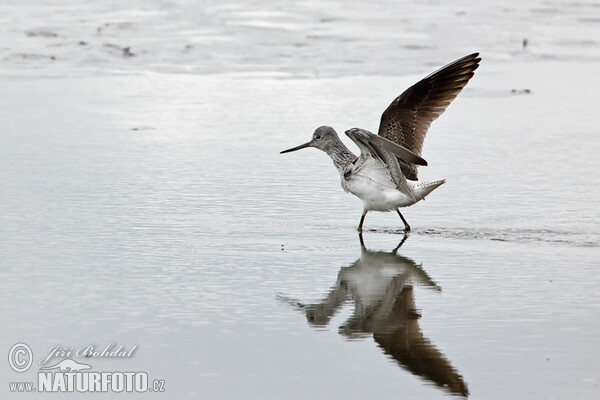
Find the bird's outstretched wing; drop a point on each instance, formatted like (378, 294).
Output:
(407, 119)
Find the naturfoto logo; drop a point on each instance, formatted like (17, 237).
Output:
(68, 375)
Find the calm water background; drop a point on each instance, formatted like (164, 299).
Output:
(144, 201)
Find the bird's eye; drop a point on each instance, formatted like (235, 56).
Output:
(318, 137)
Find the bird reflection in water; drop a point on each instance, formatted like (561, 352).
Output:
(381, 286)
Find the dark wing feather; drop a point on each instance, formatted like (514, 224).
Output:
(407, 119)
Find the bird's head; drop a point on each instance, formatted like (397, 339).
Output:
(324, 138)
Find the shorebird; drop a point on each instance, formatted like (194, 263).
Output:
(384, 176)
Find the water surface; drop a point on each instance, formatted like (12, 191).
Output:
(148, 207)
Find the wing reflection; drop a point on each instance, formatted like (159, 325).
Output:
(380, 284)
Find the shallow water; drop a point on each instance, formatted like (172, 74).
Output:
(305, 39)
(152, 208)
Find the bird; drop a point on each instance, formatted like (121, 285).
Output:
(385, 175)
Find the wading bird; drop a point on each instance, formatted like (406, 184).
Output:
(384, 176)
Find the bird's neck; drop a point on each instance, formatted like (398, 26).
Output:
(340, 155)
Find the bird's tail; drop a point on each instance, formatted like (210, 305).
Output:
(422, 189)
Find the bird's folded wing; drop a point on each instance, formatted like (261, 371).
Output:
(363, 138)
(386, 152)
(398, 150)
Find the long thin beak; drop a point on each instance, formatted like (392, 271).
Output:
(302, 146)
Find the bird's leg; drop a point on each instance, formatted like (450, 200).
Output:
(406, 225)
(362, 219)
(362, 242)
(395, 251)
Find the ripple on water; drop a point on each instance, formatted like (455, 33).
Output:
(569, 238)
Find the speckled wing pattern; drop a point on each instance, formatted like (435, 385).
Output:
(408, 118)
